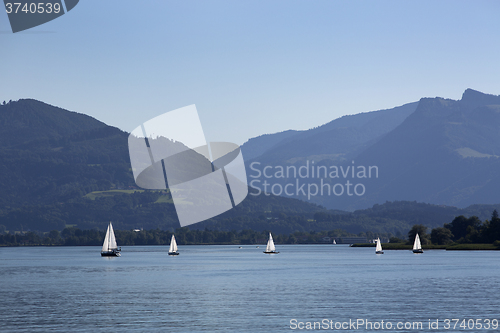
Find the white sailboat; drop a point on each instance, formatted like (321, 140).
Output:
(270, 248)
(334, 242)
(378, 248)
(109, 247)
(417, 247)
(172, 251)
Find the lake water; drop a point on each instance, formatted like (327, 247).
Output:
(227, 289)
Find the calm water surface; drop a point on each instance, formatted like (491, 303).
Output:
(227, 289)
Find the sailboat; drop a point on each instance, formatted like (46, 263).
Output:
(378, 249)
(172, 251)
(334, 242)
(109, 247)
(270, 249)
(417, 247)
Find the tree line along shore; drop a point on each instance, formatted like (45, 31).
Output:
(461, 234)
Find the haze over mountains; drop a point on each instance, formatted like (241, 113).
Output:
(337, 140)
(437, 150)
(54, 163)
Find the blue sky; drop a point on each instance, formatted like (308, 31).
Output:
(251, 67)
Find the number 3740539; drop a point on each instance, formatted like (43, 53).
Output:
(471, 324)
(32, 8)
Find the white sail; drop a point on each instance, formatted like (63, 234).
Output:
(173, 245)
(416, 244)
(105, 245)
(334, 242)
(379, 246)
(110, 240)
(270, 244)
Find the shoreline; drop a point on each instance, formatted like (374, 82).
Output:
(386, 246)
(449, 247)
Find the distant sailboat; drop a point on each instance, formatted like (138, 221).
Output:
(109, 247)
(417, 247)
(334, 242)
(270, 249)
(378, 249)
(172, 251)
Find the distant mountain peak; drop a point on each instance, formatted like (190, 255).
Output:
(471, 93)
(26, 120)
(476, 98)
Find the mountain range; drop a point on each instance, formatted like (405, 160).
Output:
(436, 150)
(61, 168)
(338, 140)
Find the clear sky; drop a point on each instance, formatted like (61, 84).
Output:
(251, 67)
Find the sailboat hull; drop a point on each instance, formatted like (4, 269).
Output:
(379, 252)
(418, 251)
(271, 252)
(173, 253)
(110, 254)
